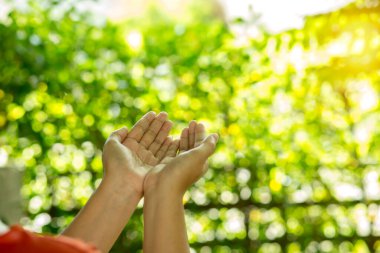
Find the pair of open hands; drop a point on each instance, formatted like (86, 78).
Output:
(146, 158)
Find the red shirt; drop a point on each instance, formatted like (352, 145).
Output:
(18, 240)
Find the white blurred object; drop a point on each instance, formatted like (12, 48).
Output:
(118, 10)
(3, 228)
(10, 197)
(3, 157)
(278, 15)
(275, 15)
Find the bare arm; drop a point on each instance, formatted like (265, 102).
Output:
(164, 186)
(165, 228)
(127, 158)
(103, 218)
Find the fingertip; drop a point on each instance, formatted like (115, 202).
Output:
(185, 132)
(124, 131)
(192, 124)
(215, 136)
(150, 116)
(162, 115)
(200, 127)
(212, 139)
(168, 124)
(120, 133)
(150, 113)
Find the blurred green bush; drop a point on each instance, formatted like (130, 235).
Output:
(297, 169)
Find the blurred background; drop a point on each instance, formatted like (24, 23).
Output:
(291, 86)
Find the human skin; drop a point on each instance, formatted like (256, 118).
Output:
(165, 185)
(127, 158)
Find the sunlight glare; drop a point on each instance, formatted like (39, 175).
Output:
(134, 39)
(3, 157)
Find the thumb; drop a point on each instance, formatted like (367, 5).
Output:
(119, 135)
(208, 145)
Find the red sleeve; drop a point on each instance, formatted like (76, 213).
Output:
(18, 240)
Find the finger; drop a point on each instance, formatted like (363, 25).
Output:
(151, 133)
(184, 141)
(173, 148)
(192, 126)
(138, 130)
(161, 137)
(164, 148)
(120, 134)
(207, 146)
(200, 134)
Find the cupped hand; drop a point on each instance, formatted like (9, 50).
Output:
(177, 172)
(128, 156)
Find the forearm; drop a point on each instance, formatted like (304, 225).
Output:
(104, 216)
(164, 223)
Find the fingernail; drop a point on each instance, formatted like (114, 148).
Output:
(150, 113)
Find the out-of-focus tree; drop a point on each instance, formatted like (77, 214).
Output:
(297, 169)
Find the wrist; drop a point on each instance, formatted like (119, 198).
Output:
(120, 190)
(162, 189)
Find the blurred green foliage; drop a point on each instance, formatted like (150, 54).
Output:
(298, 112)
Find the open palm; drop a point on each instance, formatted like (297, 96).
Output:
(180, 170)
(128, 156)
